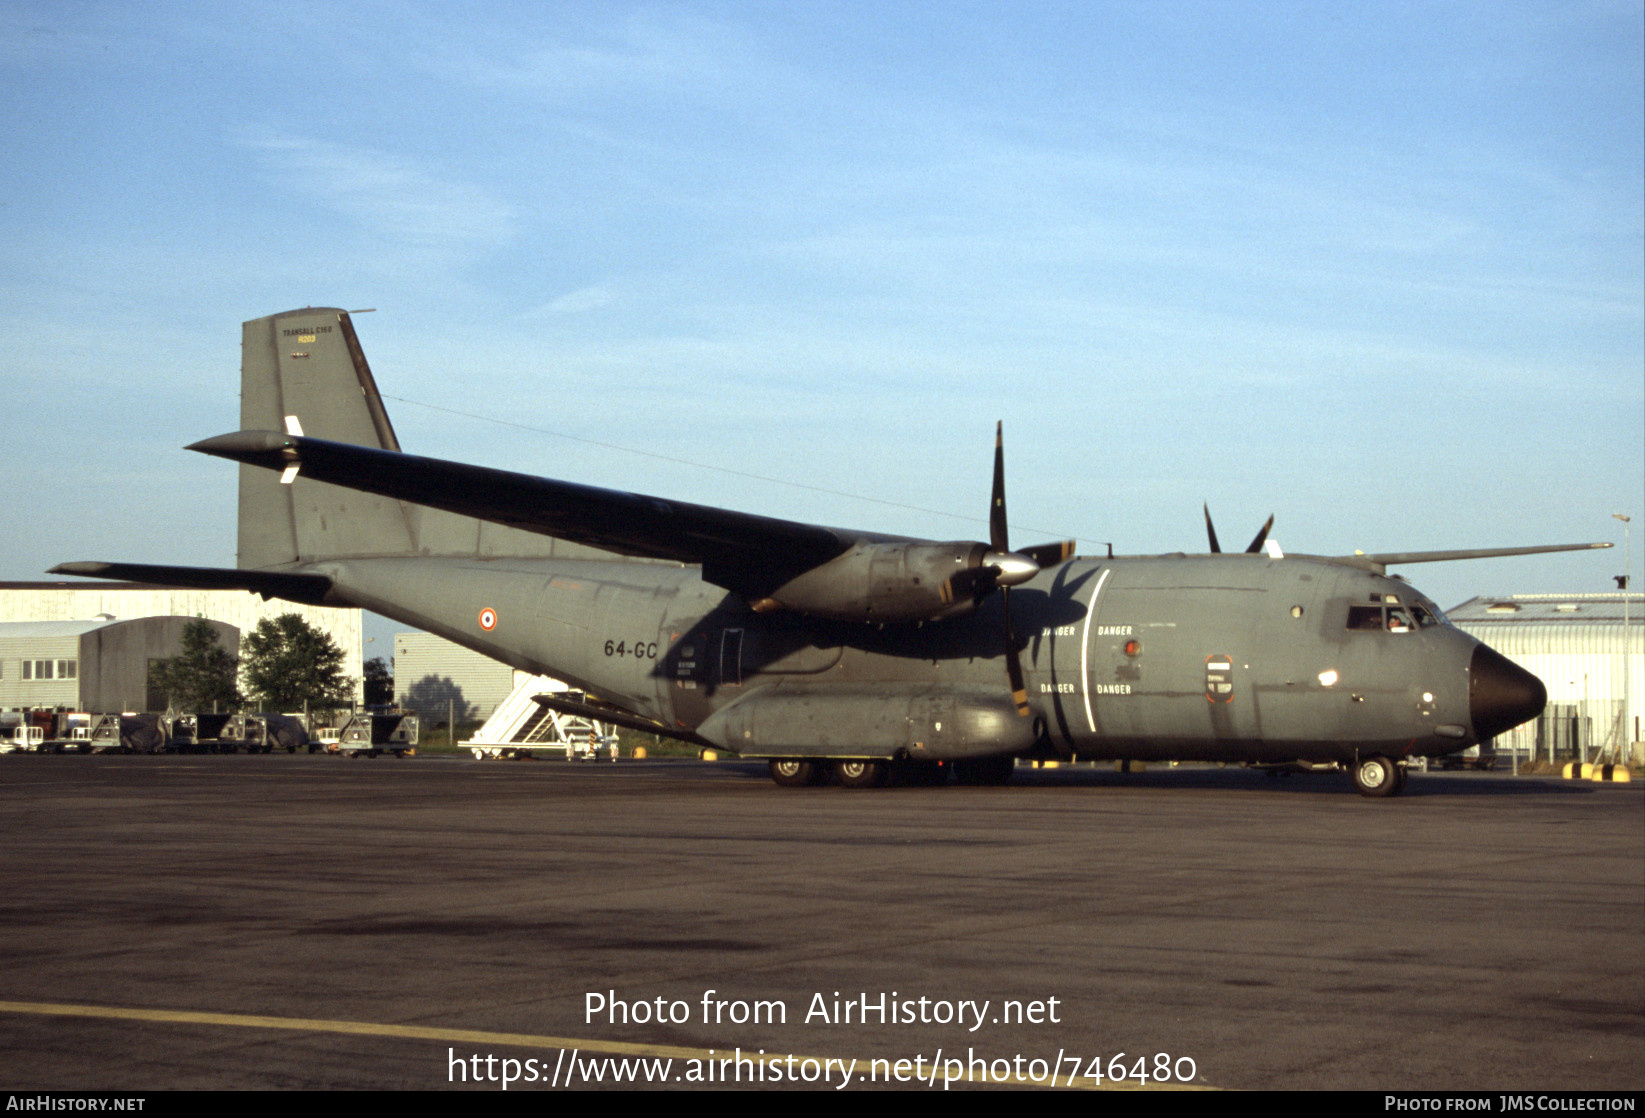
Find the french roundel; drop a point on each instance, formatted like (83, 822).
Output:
(488, 619)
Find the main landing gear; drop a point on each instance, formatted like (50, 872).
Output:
(1378, 776)
(861, 774)
(797, 772)
(800, 772)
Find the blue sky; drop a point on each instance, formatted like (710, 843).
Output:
(1380, 272)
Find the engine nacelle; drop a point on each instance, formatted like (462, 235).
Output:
(889, 582)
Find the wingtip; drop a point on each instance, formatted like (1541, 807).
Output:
(242, 445)
(84, 569)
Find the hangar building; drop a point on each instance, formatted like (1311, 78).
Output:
(1592, 664)
(240, 610)
(95, 665)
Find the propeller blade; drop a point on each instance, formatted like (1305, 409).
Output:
(1013, 660)
(1049, 554)
(1216, 548)
(1008, 568)
(1262, 537)
(996, 512)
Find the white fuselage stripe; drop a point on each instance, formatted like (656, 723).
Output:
(1085, 649)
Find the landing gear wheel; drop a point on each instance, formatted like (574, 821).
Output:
(860, 774)
(984, 771)
(1377, 776)
(793, 772)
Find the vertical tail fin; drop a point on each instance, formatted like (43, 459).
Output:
(307, 366)
(304, 372)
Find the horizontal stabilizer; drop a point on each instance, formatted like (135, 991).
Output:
(308, 589)
(741, 552)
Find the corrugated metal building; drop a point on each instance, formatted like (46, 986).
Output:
(431, 672)
(124, 601)
(100, 666)
(1575, 644)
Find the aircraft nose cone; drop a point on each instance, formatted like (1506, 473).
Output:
(1501, 694)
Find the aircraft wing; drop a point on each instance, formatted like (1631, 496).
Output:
(1379, 563)
(739, 551)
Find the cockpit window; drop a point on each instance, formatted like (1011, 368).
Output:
(1391, 615)
(1427, 613)
(1365, 617)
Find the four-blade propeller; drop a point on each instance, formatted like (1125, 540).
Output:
(1001, 569)
(1256, 544)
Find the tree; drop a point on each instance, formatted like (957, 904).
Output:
(438, 697)
(202, 676)
(287, 662)
(379, 681)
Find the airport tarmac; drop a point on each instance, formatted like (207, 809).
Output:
(323, 922)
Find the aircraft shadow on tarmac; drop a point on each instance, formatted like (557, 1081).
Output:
(1267, 783)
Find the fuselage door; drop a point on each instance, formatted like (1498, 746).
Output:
(731, 658)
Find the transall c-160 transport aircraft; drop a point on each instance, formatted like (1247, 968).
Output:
(835, 653)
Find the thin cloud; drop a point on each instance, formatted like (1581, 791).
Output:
(661, 52)
(385, 193)
(578, 302)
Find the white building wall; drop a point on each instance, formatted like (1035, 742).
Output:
(430, 671)
(15, 691)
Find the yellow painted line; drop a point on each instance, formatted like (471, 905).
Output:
(509, 1040)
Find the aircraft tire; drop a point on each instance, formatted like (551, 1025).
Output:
(1377, 776)
(860, 774)
(793, 772)
(984, 771)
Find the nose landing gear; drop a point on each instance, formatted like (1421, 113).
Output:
(1378, 776)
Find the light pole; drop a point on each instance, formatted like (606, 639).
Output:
(1625, 746)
